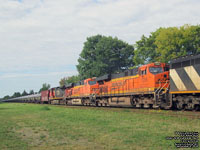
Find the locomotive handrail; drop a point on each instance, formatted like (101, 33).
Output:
(155, 93)
(168, 85)
(162, 87)
(159, 86)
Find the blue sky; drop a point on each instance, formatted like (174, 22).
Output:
(41, 39)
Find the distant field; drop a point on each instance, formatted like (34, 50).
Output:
(40, 127)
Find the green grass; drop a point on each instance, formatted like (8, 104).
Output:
(40, 127)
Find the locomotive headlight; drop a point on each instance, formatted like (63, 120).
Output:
(157, 63)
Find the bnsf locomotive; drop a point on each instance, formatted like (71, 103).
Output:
(155, 85)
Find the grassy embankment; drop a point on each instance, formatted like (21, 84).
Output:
(35, 127)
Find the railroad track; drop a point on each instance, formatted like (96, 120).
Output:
(173, 113)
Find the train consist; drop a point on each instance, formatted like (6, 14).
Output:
(155, 85)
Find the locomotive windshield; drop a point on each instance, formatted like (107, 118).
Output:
(155, 70)
(92, 82)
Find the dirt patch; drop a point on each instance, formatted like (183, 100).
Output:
(33, 136)
(37, 137)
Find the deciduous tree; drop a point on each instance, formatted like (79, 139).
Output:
(45, 86)
(67, 80)
(16, 94)
(168, 43)
(31, 92)
(102, 55)
(24, 93)
(145, 49)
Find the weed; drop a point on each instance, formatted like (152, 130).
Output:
(126, 110)
(42, 137)
(45, 108)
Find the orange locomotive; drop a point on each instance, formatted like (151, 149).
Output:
(81, 92)
(146, 86)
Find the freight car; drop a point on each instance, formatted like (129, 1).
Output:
(34, 98)
(148, 86)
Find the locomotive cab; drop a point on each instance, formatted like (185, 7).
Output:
(154, 79)
(154, 75)
(92, 86)
(84, 88)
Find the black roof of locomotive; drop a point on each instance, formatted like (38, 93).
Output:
(107, 77)
(69, 85)
(104, 77)
(184, 58)
(185, 61)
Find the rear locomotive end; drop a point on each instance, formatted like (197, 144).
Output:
(185, 82)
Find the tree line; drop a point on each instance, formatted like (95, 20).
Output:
(103, 55)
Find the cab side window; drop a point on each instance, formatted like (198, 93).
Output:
(144, 72)
(166, 68)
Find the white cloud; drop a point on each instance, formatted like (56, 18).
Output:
(50, 33)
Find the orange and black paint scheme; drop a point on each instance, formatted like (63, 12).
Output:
(145, 86)
(85, 89)
(147, 79)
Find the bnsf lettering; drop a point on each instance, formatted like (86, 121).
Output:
(104, 89)
(118, 83)
(76, 90)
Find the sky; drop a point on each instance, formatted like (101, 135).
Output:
(40, 40)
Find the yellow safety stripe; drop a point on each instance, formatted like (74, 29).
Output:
(56, 98)
(177, 92)
(125, 78)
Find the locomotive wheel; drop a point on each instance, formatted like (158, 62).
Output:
(97, 104)
(179, 106)
(133, 102)
(196, 108)
(66, 102)
(190, 106)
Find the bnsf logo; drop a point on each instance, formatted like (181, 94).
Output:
(57, 92)
(118, 83)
